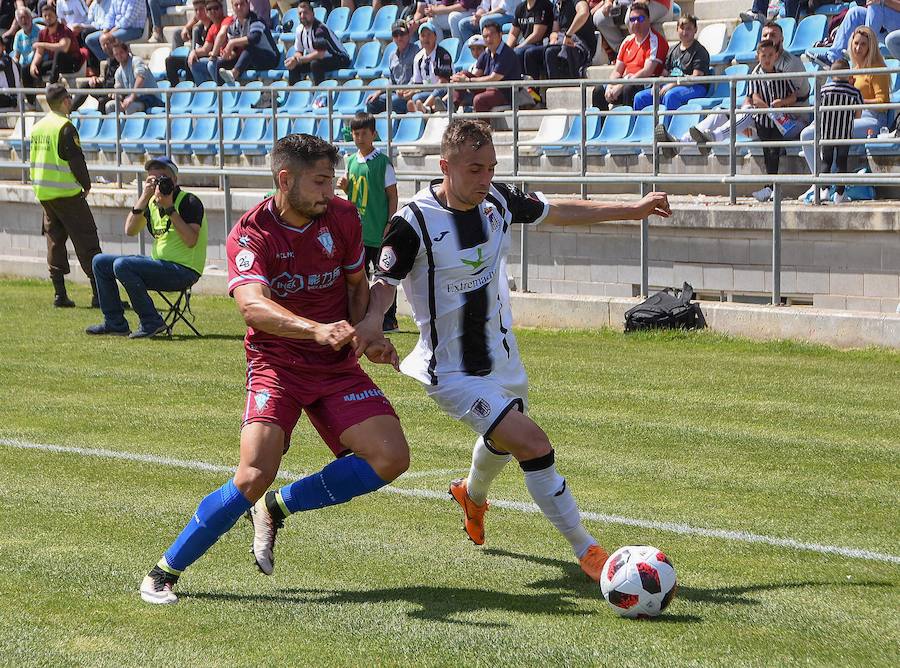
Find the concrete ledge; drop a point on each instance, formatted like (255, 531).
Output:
(842, 329)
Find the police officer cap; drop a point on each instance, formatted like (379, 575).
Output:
(56, 92)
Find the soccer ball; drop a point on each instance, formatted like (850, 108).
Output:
(638, 581)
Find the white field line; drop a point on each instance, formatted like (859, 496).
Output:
(671, 527)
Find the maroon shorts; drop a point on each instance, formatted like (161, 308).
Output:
(333, 402)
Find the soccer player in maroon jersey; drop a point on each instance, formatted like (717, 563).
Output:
(295, 266)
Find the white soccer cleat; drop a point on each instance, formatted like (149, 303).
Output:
(156, 587)
(265, 530)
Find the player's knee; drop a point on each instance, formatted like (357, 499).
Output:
(253, 482)
(535, 443)
(392, 461)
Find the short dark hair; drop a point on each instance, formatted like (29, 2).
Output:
(463, 131)
(774, 24)
(304, 4)
(297, 152)
(765, 44)
(493, 25)
(641, 7)
(362, 121)
(840, 64)
(688, 18)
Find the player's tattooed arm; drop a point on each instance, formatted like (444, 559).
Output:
(582, 212)
(262, 313)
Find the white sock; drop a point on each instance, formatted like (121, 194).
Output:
(552, 495)
(486, 465)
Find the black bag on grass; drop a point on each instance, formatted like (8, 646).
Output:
(668, 309)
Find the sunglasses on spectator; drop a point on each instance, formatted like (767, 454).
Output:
(639, 18)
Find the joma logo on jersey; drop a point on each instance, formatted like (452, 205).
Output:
(366, 394)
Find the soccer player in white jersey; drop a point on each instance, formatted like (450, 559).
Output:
(448, 247)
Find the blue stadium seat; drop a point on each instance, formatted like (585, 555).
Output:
(250, 95)
(88, 125)
(744, 38)
(360, 25)
(385, 64)
(320, 99)
(382, 130)
(289, 26)
(299, 98)
(230, 98)
(451, 46)
(463, 60)
(410, 129)
(281, 92)
(350, 101)
(614, 129)
(381, 26)
(154, 131)
(133, 133)
(641, 133)
(832, 9)
(181, 101)
(373, 71)
(250, 135)
(105, 136)
(366, 58)
(203, 130)
(809, 31)
(303, 125)
(574, 134)
(788, 24)
(721, 90)
(204, 100)
(320, 13)
(180, 129)
(679, 125)
(338, 19)
(350, 48)
(321, 129)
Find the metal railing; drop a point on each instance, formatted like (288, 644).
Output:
(327, 98)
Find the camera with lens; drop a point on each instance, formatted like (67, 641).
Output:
(166, 185)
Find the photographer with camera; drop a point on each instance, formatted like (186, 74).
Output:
(177, 222)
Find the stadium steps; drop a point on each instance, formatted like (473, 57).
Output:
(720, 9)
(670, 28)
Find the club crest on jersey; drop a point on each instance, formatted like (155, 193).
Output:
(481, 408)
(326, 240)
(490, 212)
(243, 240)
(261, 398)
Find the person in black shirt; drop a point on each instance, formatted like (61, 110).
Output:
(688, 58)
(533, 22)
(177, 66)
(107, 78)
(572, 43)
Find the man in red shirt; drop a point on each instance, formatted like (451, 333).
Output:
(198, 58)
(296, 272)
(641, 55)
(56, 51)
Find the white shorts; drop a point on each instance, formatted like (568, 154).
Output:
(481, 401)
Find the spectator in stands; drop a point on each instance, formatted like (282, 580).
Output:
(426, 13)
(836, 124)
(881, 16)
(453, 11)
(157, 9)
(9, 25)
(611, 18)
(202, 22)
(248, 44)
(106, 79)
(716, 127)
(641, 55)
(892, 42)
(874, 88)
(177, 221)
(128, 18)
(688, 58)
(432, 65)
(132, 73)
(401, 72)
(760, 8)
(317, 49)
(56, 51)
(199, 57)
(498, 63)
(573, 42)
(476, 47)
(772, 125)
(489, 11)
(74, 14)
(23, 47)
(100, 17)
(532, 23)
(10, 77)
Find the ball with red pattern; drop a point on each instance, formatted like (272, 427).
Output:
(638, 581)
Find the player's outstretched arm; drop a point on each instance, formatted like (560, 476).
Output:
(586, 212)
(381, 296)
(265, 315)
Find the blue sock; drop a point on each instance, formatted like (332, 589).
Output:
(338, 482)
(215, 515)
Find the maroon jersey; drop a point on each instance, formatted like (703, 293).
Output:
(304, 269)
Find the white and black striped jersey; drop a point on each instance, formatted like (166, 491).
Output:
(837, 123)
(769, 90)
(452, 265)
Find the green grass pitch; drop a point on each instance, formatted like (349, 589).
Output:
(782, 440)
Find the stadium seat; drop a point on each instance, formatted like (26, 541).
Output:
(679, 125)
(338, 19)
(88, 125)
(320, 13)
(268, 137)
(574, 134)
(299, 98)
(157, 62)
(430, 141)
(788, 25)
(350, 48)
(382, 130)
(713, 37)
(787, 28)
(451, 46)
(290, 22)
(384, 19)
(106, 135)
(744, 38)
(203, 130)
(204, 100)
(321, 129)
(385, 64)
(229, 98)
(180, 129)
(350, 101)
(721, 91)
(250, 135)
(367, 58)
(250, 95)
(320, 98)
(360, 25)
(303, 125)
(831, 9)
(464, 60)
(409, 129)
(641, 134)
(181, 101)
(551, 131)
(154, 131)
(614, 129)
(133, 133)
(809, 31)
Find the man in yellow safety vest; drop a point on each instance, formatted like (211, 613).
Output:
(61, 183)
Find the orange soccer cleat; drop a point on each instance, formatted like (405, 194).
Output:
(593, 560)
(474, 520)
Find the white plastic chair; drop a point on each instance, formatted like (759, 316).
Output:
(713, 37)
(552, 130)
(430, 142)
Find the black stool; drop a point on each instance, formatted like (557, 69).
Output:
(179, 310)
